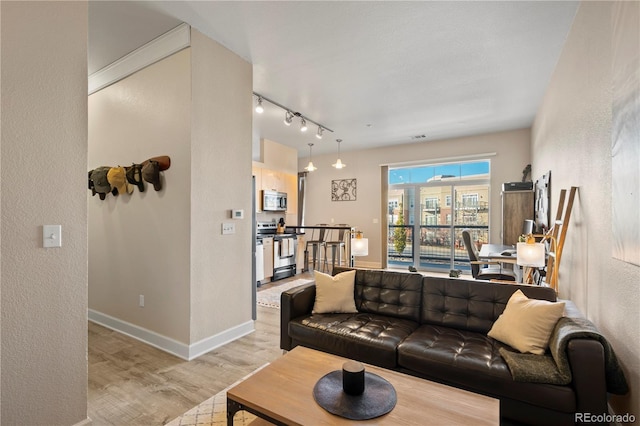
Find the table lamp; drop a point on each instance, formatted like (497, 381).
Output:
(533, 255)
(530, 253)
(359, 245)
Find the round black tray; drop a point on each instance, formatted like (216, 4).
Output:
(379, 397)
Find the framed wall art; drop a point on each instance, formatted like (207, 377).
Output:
(343, 190)
(625, 133)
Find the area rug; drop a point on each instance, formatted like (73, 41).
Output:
(213, 411)
(270, 297)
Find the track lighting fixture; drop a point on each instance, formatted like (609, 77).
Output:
(259, 108)
(289, 115)
(310, 167)
(288, 118)
(338, 164)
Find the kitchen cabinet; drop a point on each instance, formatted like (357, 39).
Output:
(273, 180)
(259, 262)
(516, 207)
(291, 188)
(267, 247)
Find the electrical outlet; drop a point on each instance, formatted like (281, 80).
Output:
(228, 228)
(141, 301)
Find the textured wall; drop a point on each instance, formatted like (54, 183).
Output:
(220, 181)
(572, 138)
(512, 155)
(44, 158)
(194, 106)
(139, 243)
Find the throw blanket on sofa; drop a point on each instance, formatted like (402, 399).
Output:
(554, 368)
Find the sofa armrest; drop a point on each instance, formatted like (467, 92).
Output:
(586, 358)
(294, 303)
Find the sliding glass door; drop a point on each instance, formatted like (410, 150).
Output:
(429, 206)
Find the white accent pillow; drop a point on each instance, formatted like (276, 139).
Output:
(334, 294)
(526, 324)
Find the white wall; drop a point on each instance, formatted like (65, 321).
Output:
(139, 244)
(220, 181)
(512, 151)
(194, 106)
(43, 181)
(572, 138)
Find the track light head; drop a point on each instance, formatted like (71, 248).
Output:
(303, 125)
(259, 108)
(319, 133)
(288, 118)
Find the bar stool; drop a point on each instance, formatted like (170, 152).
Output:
(337, 245)
(318, 245)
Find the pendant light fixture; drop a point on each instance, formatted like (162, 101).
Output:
(310, 167)
(338, 164)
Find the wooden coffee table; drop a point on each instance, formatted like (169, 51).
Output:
(282, 393)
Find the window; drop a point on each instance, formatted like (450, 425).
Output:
(437, 201)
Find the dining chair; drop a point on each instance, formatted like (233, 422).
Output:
(318, 247)
(337, 244)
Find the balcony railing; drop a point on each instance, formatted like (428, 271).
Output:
(436, 245)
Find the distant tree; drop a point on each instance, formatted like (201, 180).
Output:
(400, 233)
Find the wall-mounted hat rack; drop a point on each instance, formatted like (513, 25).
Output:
(122, 180)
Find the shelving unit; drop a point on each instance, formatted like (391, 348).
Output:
(516, 207)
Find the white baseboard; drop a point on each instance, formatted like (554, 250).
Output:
(167, 344)
(85, 422)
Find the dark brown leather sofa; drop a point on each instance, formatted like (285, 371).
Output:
(436, 328)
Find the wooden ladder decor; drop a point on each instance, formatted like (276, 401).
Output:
(556, 236)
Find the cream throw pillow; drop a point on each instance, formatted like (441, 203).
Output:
(526, 324)
(334, 294)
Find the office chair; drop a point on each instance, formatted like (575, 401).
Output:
(492, 271)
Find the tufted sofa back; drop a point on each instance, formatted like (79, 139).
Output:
(470, 304)
(394, 294)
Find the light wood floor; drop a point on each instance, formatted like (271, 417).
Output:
(131, 383)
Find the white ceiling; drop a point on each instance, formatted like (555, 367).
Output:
(377, 73)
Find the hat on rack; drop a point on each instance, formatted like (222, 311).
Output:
(151, 173)
(134, 176)
(117, 177)
(100, 182)
(164, 162)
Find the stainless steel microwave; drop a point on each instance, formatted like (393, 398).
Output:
(273, 201)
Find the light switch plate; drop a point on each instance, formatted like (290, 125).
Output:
(228, 228)
(51, 236)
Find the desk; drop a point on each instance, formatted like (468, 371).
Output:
(494, 252)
